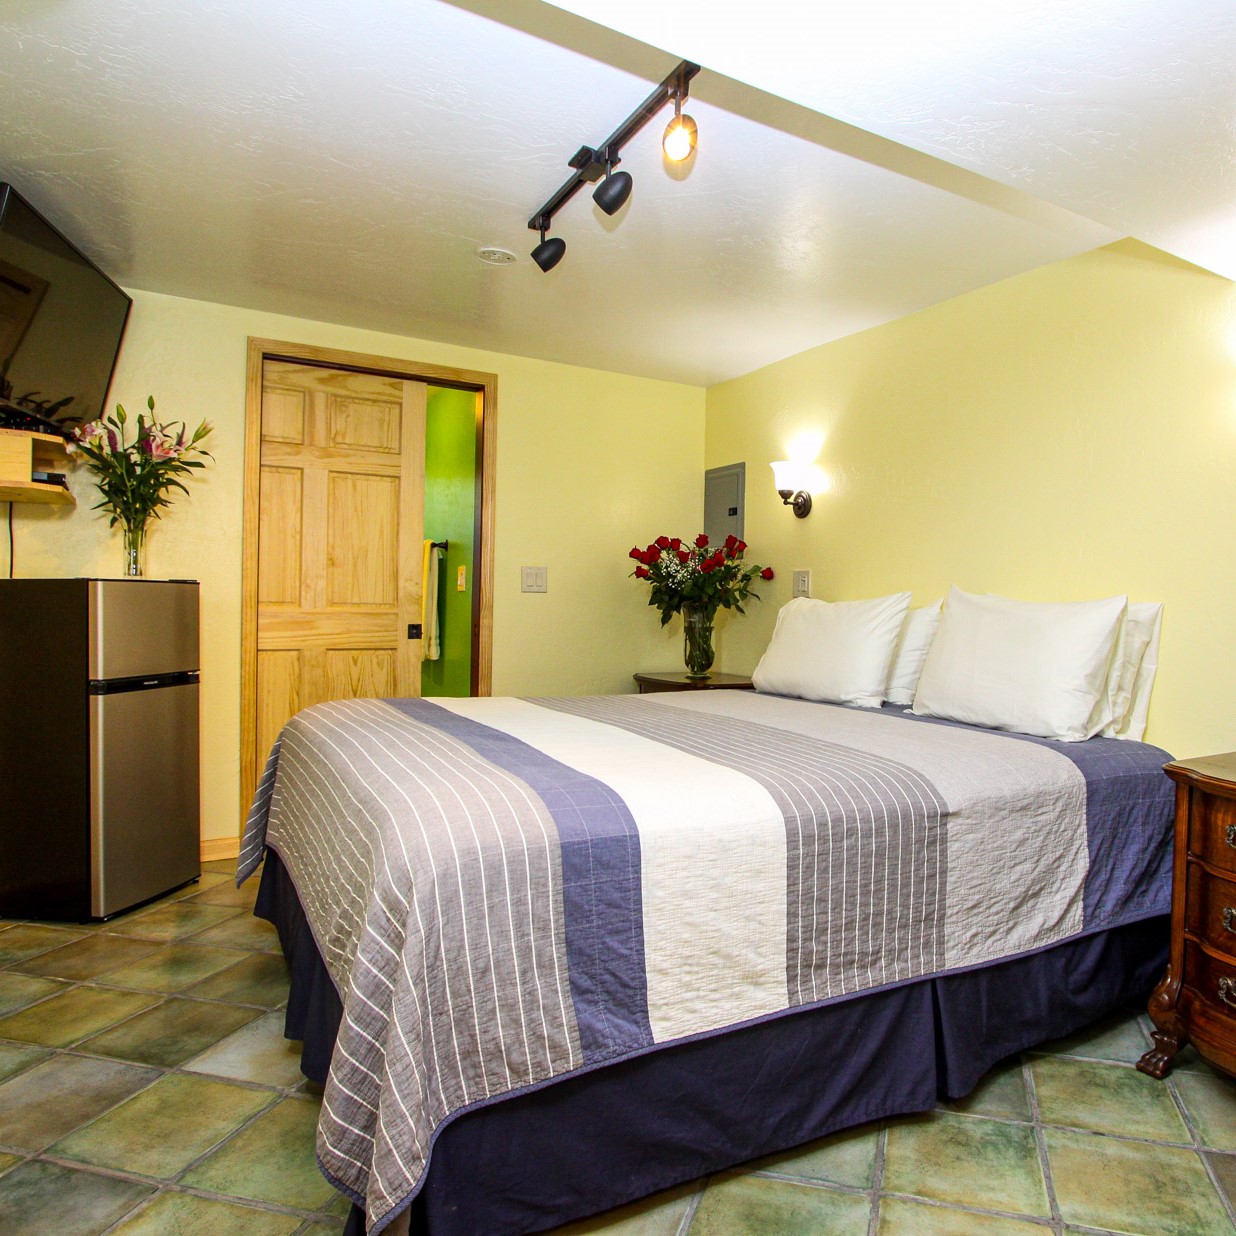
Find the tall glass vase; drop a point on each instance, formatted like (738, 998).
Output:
(697, 639)
(134, 549)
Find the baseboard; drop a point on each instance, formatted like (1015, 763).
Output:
(215, 848)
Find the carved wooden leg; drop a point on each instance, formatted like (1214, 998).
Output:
(1158, 1060)
(1170, 1034)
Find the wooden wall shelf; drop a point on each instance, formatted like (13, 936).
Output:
(23, 453)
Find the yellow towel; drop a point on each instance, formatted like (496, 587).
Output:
(431, 623)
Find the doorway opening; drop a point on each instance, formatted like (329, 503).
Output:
(450, 529)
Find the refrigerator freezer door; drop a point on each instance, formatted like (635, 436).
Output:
(142, 626)
(144, 795)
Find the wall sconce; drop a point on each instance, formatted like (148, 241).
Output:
(790, 479)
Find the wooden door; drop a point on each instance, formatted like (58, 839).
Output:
(341, 498)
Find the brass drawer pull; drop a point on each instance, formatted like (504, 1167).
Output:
(1227, 991)
(1229, 918)
(1230, 835)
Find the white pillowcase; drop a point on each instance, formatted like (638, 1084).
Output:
(1134, 673)
(838, 651)
(911, 651)
(1031, 667)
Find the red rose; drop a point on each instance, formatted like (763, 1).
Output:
(707, 566)
(739, 546)
(652, 555)
(675, 544)
(637, 554)
(766, 573)
(663, 542)
(641, 572)
(684, 557)
(731, 541)
(701, 541)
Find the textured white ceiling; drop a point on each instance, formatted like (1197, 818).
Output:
(1121, 110)
(345, 163)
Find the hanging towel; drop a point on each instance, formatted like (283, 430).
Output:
(431, 620)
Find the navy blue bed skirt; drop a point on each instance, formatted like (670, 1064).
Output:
(591, 1142)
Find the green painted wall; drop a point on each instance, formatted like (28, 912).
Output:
(450, 498)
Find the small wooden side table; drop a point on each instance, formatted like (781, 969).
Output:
(677, 680)
(1196, 999)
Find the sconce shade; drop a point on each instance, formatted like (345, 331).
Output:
(613, 191)
(680, 137)
(785, 475)
(549, 253)
(791, 480)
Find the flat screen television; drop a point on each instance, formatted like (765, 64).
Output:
(61, 323)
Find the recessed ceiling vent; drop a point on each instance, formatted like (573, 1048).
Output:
(495, 257)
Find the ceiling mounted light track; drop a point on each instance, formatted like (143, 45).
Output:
(597, 163)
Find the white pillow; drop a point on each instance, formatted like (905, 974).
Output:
(1030, 667)
(838, 651)
(1135, 673)
(911, 650)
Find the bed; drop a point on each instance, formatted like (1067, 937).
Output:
(560, 953)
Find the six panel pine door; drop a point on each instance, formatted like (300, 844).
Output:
(339, 541)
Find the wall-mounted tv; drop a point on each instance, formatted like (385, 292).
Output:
(61, 323)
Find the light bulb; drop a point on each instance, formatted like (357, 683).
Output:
(679, 139)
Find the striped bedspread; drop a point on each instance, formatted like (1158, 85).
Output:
(509, 890)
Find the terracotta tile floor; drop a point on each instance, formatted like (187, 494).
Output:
(146, 1088)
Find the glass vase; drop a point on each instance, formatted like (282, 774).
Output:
(697, 639)
(134, 549)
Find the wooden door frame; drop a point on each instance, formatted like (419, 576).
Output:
(485, 387)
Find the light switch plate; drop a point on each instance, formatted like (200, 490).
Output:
(802, 583)
(461, 580)
(533, 579)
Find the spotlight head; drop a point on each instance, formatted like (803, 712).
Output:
(680, 137)
(611, 194)
(549, 252)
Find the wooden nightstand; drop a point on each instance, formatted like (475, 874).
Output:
(677, 680)
(1196, 999)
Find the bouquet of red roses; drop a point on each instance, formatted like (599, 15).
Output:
(696, 575)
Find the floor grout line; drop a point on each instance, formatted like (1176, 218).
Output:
(1040, 1141)
(877, 1179)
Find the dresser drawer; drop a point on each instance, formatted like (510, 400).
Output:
(1212, 830)
(1210, 910)
(1213, 980)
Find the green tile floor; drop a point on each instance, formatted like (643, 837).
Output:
(146, 1089)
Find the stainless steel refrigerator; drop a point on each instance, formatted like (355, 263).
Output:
(99, 806)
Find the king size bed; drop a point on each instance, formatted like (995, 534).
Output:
(550, 955)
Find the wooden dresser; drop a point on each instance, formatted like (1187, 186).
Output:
(1196, 1000)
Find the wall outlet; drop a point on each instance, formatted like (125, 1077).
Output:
(802, 583)
(461, 580)
(533, 579)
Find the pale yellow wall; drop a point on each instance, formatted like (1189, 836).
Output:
(1065, 434)
(587, 463)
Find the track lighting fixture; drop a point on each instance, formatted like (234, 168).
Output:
(549, 252)
(680, 135)
(597, 163)
(611, 194)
